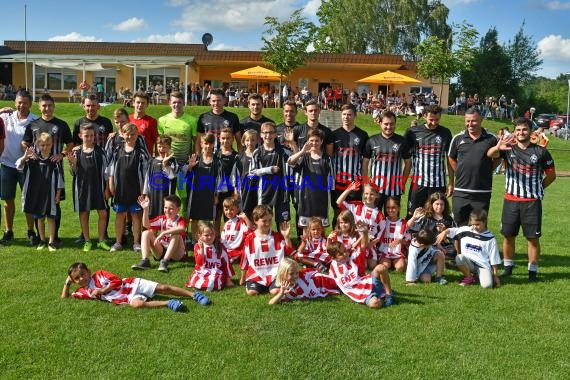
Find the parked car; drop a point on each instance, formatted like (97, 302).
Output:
(543, 119)
(559, 121)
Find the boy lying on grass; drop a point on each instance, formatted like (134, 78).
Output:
(137, 292)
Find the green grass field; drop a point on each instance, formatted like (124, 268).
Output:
(519, 330)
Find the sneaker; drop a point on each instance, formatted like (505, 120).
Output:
(175, 305)
(52, 247)
(116, 247)
(41, 245)
(80, 239)
(33, 238)
(532, 276)
(103, 245)
(508, 271)
(8, 235)
(467, 280)
(163, 266)
(201, 298)
(136, 247)
(141, 265)
(87, 246)
(441, 280)
(389, 299)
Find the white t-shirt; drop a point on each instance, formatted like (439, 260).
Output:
(481, 248)
(14, 129)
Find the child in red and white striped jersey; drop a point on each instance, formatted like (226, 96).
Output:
(312, 251)
(304, 284)
(394, 237)
(213, 270)
(263, 251)
(137, 292)
(348, 269)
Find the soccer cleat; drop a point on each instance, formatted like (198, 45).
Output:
(467, 280)
(163, 266)
(137, 247)
(41, 245)
(141, 265)
(80, 239)
(532, 276)
(116, 247)
(389, 299)
(175, 305)
(441, 280)
(87, 246)
(52, 247)
(508, 271)
(8, 235)
(33, 238)
(201, 298)
(103, 245)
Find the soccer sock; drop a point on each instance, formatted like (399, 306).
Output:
(533, 267)
(509, 263)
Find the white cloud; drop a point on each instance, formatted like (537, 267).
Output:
(311, 8)
(134, 23)
(176, 3)
(554, 48)
(74, 36)
(557, 5)
(237, 15)
(176, 38)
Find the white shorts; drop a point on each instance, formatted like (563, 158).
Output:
(304, 221)
(145, 290)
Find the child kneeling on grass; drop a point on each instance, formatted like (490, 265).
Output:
(424, 259)
(479, 252)
(165, 234)
(106, 286)
(304, 284)
(348, 269)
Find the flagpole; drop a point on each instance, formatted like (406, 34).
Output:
(26, 45)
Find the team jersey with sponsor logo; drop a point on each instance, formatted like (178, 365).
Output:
(393, 231)
(315, 249)
(349, 242)
(347, 156)
(418, 260)
(301, 131)
(89, 179)
(311, 285)
(371, 216)
(273, 188)
(148, 129)
(480, 248)
(103, 127)
(262, 257)
(162, 223)
(524, 171)
(210, 122)
(386, 155)
(315, 181)
(233, 236)
(122, 293)
(350, 277)
(212, 268)
(57, 128)
(160, 181)
(428, 148)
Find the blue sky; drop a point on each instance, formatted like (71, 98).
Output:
(238, 24)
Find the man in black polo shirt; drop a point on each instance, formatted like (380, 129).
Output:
(217, 119)
(255, 118)
(473, 169)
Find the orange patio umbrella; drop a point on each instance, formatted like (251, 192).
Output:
(388, 78)
(257, 73)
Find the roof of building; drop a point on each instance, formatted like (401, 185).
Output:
(199, 53)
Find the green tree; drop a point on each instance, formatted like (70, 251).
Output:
(490, 73)
(525, 57)
(440, 58)
(285, 43)
(379, 26)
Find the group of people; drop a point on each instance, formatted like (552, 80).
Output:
(196, 172)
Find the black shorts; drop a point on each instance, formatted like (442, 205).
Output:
(525, 214)
(419, 196)
(250, 285)
(464, 203)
